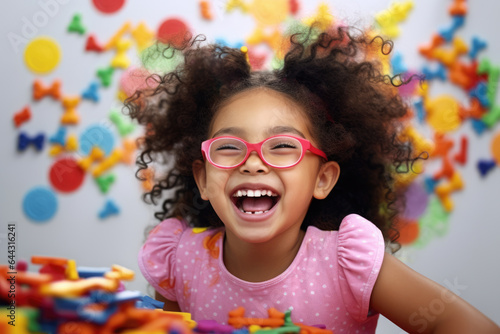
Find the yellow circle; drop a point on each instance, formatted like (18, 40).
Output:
(268, 12)
(42, 55)
(443, 114)
(495, 148)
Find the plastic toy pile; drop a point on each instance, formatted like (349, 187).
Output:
(65, 299)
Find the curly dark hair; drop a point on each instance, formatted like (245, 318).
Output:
(354, 109)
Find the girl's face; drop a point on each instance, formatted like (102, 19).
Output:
(253, 116)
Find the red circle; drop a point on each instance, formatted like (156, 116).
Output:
(65, 175)
(173, 31)
(108, 6)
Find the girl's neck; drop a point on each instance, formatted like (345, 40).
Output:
(260, 262)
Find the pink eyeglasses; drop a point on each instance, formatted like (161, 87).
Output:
(280, 151)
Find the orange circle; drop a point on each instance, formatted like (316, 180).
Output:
(495, 148)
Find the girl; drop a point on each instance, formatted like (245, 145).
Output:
(281, 189)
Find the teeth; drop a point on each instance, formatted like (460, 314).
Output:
(253, 212)
(254, 193)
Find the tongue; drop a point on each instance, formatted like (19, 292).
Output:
(257, 203)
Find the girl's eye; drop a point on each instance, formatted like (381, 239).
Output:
(283, 145)
(227, 147)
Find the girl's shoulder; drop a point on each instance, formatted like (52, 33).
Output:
(168, 243)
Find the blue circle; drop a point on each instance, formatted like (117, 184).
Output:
(97, 135)
(40, 204)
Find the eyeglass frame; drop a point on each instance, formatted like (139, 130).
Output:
(257, 147)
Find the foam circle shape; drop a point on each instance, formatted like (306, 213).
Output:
(97, 135)
(40, 204)
(270, 12)
(172, 31)
(66, 175)
(108, 6)
(42, 55)
(417, 200)
(443, 114)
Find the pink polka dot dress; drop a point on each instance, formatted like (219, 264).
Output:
(329, 282)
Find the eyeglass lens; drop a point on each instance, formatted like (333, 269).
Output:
(277, 151)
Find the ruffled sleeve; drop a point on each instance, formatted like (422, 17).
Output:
(360, 255)
(157, 257)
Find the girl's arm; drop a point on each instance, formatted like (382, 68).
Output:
(169, 305)
(419, 305)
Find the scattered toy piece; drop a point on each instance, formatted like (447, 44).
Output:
(461, 155)
(205, 10)
(24, 141)
(480, 92)
(448, 33)
(389, 19)
(110, 208)
(91, 93)
(143, 36)
(444, 190)
(493, 72)
(22, 116)
(40, 204)
(121, 59)
(59, 137)
(428, 50)
(107, 163)
(93, 45)
(42, 55)
(105, 75)
(438, 73)
(105, 182)
(40, 90)
(478, 45)
(485, 166)
(124, 126)
(71, 143)
(449, 57)
(96, 154)
(446, 171)
(129, 146)
(76, 25)
(66, 175)
(458, 8)
(70, 115)
(491, 117)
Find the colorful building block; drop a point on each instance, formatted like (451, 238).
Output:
(24, 141)
(22, 116)
(40, 90)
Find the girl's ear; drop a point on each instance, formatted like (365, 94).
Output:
(327, 178)
(200, 176)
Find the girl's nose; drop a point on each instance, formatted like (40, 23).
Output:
(254, 165)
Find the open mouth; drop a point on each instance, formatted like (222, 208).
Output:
(255, 202)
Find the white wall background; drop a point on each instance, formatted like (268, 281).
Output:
(466, 255)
